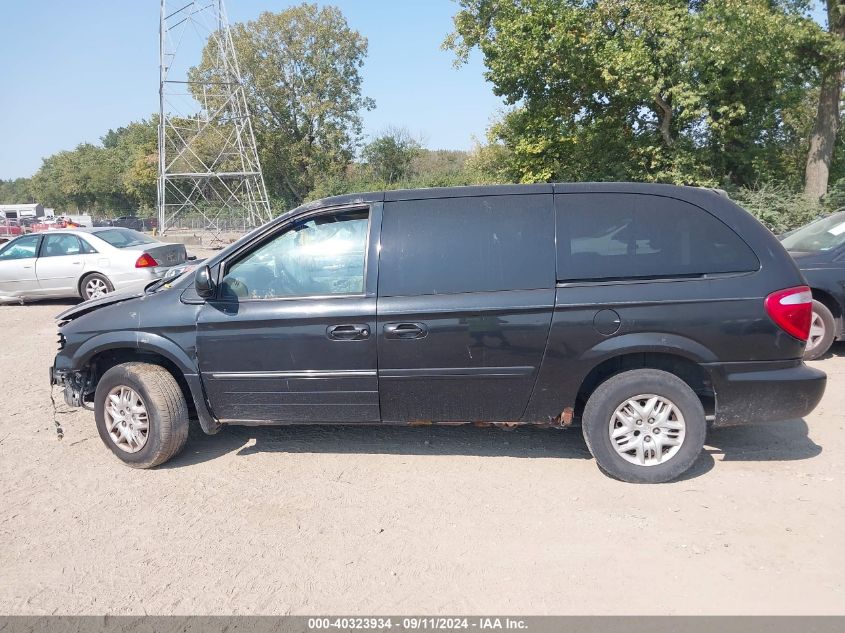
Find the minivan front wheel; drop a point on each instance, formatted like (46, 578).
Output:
(644, 426)
(141, 414)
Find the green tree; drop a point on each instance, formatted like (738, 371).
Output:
(135, 150)
(70, 179)
(14, 191)
(828, 115)
(391, 154)
(301, 73)
(672, 90)
(118, 176)
(86, 179)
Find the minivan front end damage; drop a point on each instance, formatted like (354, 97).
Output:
(77, 382)
(77, 386)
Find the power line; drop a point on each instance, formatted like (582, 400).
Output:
(207, 157)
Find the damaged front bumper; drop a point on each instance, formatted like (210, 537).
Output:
(77, 386)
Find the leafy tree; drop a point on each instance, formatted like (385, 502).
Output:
(135, 149)
(75, 179)
(826, 126)
(491, 163)
(439, 161)
(391, 154)
(672, 90)
(428, 168)
(301, 73)
(119, 175)
(779, 207)
(14, 191)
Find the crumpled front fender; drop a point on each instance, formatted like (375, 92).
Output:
(135, 340)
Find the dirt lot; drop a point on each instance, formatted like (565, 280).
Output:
(407, 520)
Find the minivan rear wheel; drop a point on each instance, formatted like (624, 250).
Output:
(822, 332)
(141, 414)
(644, 426)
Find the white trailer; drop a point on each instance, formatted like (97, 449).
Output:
(18, 211)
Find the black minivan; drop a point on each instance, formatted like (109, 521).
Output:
(644, 313)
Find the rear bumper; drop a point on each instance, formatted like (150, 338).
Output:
(765, 391)
(137, 280)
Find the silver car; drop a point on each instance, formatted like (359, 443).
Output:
(83, 262)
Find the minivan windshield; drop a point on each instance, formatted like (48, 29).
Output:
(123, 238)
(821, 235)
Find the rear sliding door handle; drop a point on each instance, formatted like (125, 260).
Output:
(348, 332)
(405, 330)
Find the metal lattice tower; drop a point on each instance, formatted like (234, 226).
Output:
(209, 175)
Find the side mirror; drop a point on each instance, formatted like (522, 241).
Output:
(203, 283)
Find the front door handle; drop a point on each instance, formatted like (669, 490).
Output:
(405, 330)
(348, 332)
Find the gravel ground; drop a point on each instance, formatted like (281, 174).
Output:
(311, 520)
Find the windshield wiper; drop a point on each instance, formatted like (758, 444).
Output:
(158, 283)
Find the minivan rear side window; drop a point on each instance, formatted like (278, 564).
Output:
(468, 244)
(639, 236)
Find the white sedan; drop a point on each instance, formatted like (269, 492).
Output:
(85, 263)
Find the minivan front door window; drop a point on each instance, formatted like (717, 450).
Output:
(319, 256)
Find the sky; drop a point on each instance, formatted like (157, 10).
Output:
(74, 69)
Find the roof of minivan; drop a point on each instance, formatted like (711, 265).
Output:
(677, 191)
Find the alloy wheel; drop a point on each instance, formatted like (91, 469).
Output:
(96, 288)
(127, 421)
(647, 430)
(817, 331)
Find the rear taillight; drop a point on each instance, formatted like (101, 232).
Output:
(146, 261)
(792, 310)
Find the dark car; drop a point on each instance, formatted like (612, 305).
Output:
(642, 312)
(28, 222)
(819, 250)
(134, 222)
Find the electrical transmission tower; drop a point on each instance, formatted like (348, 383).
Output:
(209, 175)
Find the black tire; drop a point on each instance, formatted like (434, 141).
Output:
(613, 393)
(167, 413)
(822, 312)
(85, 291)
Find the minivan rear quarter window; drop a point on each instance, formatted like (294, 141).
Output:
(468, 244)
(610, 236)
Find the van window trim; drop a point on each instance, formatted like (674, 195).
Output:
(615, 281)
(268, 236)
